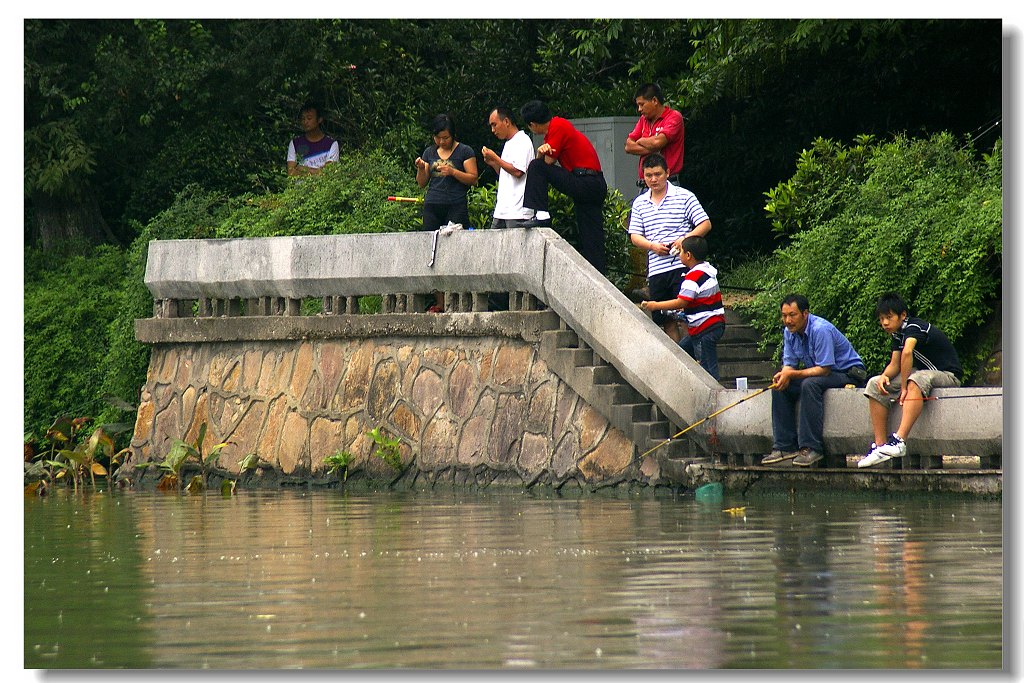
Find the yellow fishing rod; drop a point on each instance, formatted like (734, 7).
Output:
(712, 415)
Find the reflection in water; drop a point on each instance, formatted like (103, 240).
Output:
(471, 580)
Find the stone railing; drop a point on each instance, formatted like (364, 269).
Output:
(272, 276)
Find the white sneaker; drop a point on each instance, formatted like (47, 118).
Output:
(873, 457)
(895, 447)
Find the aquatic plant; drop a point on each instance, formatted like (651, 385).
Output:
(66, 458)
(386, 448)
(182, 453)
(339, 462)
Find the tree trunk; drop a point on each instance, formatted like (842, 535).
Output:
(56, 220)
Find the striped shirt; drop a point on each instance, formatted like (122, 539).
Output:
(678, 213)
(933, 350)
(703, 299)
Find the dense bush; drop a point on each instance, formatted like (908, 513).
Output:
(926, 221)
(69, 303)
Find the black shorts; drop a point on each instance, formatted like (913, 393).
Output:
(662, 287)
(436, 215)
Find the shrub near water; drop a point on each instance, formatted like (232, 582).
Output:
(926, 221)
(69, 302)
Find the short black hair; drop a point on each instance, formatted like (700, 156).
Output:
(890, 302)
(649, 91)
(504, 113)
(654, 159)
(799, 299)
(442, 122)
(696, 245)
(535, 111)
(310, 105)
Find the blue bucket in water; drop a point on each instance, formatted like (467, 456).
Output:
(709, 493)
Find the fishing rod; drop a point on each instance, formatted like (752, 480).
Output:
(700, 422)
(940, 398)
(411, 200)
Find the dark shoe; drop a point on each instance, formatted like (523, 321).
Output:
(807, 457)
(777, 456)
(534, 223)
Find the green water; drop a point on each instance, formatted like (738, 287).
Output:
(298, 579)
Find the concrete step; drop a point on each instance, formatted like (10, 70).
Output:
(592, 375)
(741, 352)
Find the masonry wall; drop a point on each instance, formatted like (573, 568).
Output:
(487, 406)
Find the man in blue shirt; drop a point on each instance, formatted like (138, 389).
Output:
(815, 357)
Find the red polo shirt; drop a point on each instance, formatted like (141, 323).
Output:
(671, 124)
(572, 148)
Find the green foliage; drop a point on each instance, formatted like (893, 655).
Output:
(69, 302)
(824, 173)
(926, 222)
(339, 462)
(387, 448)
(347, 197)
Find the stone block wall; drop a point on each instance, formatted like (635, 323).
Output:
(457, 404)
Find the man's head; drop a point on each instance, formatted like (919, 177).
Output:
(655, 170)
(795, 311)
(536, 116)
(891, 311)
(694, 250)
(309, 117)
(649, 100)
(501, 123)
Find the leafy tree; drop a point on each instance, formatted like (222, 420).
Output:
(901, 228)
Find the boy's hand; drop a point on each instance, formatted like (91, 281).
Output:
(883, 382)
(903, 395)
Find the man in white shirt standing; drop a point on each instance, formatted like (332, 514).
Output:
(511, 166)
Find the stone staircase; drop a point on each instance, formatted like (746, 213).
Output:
(738, 355)
(625, 408)
(600, 384)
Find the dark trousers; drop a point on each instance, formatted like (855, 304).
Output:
(786, 435)
(587, 192)
(704, 348)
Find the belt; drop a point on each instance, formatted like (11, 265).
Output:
(585, 171)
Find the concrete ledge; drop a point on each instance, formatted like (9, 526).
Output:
(790, 479)
(526, 326)
(948, 426)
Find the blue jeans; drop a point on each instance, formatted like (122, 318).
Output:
(704, 347)
(786, 436)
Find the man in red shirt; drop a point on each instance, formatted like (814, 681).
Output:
(660, 129)
(578, 176)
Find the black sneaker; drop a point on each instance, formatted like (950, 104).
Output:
(535, 223)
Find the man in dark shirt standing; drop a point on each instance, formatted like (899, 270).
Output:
(922, 358)
(579, 176)
(311, 151)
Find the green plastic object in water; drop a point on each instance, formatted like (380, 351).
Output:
(709, 493)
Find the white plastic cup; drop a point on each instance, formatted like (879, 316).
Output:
(741, 383)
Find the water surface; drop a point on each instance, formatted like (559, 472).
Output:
(321, 579)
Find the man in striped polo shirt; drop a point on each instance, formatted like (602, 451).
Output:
(701, 301)
(660, 219)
